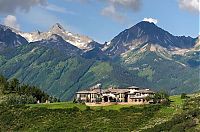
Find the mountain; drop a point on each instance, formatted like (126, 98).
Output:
(59, 73)
(197, 45)
(166, 61)
(58, 67)
(57, 42)
(145, 32)
(9, 39)
(80, 41)
(144, 56)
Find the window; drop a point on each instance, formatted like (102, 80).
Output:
(132, 95)
(83, 95)
(138, 94)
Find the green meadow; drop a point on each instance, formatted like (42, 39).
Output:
(70, 117)
(66, 105)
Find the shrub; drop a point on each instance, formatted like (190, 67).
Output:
(75, 101)
(14, 99)
(183, 96)
(87, 108)
(177, 123)
(161, 97)
(74, 109)
(131, 109)
(151, 108)
(14, 86)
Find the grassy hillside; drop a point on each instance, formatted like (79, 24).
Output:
(77, 117)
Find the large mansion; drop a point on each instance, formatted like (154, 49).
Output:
(130, 95)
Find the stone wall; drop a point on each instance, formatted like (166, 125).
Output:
(101, 104)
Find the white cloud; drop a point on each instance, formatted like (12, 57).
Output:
(39, 18)
(42, 19)
(189, 5)
(11, 6)
(110, 11)
(152, 20)
(83, 1)
(11, 21)
(55, 8)
(126, 4)
(115, 9)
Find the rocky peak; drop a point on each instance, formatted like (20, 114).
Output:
(57, 27)
(55, 37)
(146, 32)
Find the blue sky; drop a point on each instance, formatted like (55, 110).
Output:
(101, 19)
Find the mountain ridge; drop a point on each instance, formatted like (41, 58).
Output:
(61, 68)
(80, 41)
(144, 32)
(9, 39)
(138, 34)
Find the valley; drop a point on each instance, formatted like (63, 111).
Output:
(99, 66)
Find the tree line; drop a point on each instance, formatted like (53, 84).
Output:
(14, 87)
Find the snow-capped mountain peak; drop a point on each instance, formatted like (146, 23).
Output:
(2, 27)
(57, 28)
(54, 37)
(80, 41)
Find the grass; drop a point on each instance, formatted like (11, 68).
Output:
(60, 105)
(115, 107)
(163, 115)
(1, 97)
(175, 104)
(176, 100)
(58, 117)
(66, 105)
(37, 118)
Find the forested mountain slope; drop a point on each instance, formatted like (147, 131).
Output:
(142, 59)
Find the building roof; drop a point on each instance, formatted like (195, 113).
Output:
(133, 87)
(95, 90)
(84, 92)
(145, 91)
(138, 97)
(115, 90)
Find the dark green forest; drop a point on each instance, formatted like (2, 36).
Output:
(12, 92)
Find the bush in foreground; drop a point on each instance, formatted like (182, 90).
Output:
(14, 99)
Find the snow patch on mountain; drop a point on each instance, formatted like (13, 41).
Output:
(106, 46)
(33, 50)
(80, 41)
